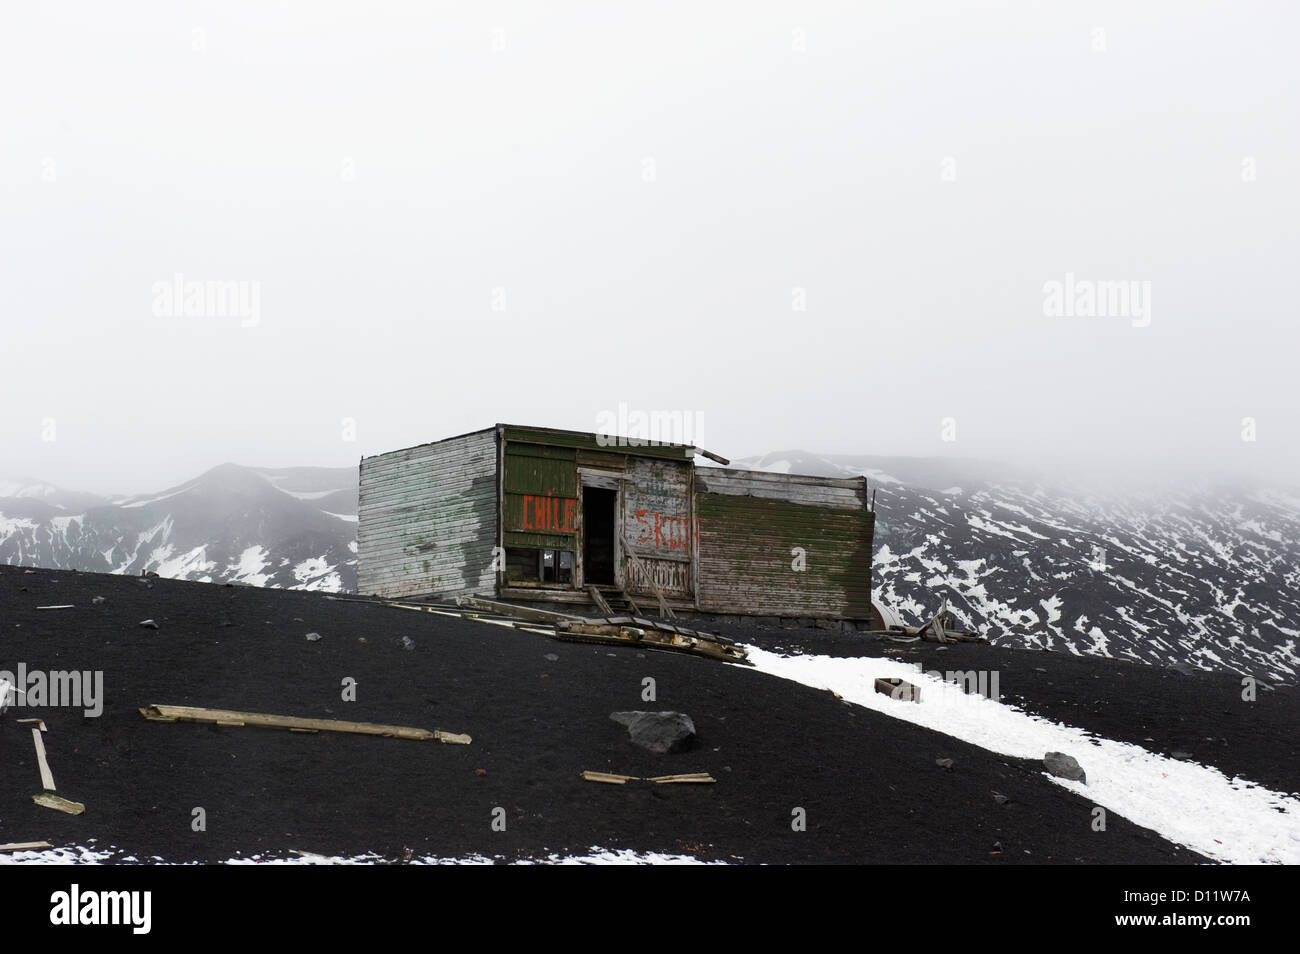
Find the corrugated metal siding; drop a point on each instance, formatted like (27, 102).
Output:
(748, 524)
(427, 520)
(657, 523)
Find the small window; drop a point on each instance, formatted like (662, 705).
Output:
(539, 567)
(557, 567)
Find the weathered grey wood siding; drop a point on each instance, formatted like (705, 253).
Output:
(749, 523)
(657, 523)
(427, 520)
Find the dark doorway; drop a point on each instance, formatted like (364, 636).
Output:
(598, 535)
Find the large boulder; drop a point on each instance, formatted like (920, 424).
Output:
(658, 731)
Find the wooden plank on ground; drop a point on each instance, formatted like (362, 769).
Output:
(608, 777)
(47, 779)
(510, 609)
(59, 803)
(612, 779)
(159, 713)
(26, 846)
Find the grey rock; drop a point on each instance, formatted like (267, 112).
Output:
(944, 764)
(551, 657)
(1064, 766)
(1180, 755)
(98, 600)
(312, 637)
(408, 643)
(658, 731)
(148, 624)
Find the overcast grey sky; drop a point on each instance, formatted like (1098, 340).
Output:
(814, 225)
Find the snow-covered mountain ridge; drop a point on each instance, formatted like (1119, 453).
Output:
(293, 527)
(1203, 575)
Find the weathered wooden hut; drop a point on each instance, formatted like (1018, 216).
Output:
(542, 516)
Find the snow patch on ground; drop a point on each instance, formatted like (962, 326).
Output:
(1230, 820)
(78, 855)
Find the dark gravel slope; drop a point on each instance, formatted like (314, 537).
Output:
(869, 784)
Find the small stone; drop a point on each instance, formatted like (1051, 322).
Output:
(1064, 766)
(148, 624)
(99, 600)
(408, 643)
(1000, 799)
(1180, 755)
(551, 657)
(312, 637)
(480, 772)
(944, 763)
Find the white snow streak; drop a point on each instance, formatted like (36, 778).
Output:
(1230, 820)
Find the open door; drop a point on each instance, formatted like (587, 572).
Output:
(598, 529)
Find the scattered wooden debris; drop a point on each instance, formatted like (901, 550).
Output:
(58, 802)
(612, 779)
(38, 726)
(511, 610)
(936, 629)
(621, 630)
(47, 777)
(898, 689)
(229, 717)
(608, 777)
(63, 606)
(26, 846)
(610, 630)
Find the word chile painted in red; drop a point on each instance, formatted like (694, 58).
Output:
(550, 514)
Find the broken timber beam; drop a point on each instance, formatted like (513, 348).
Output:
(58, 802)
(510, 609)
(599, 600)
(652, 635)
(157, 713)
(47, 778)
(611, 779)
